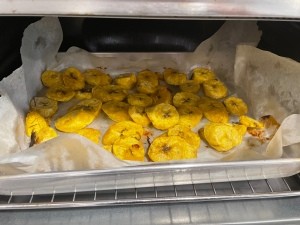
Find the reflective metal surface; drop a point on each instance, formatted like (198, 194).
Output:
(268, 9)
(206, 192)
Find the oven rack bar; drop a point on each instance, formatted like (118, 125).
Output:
(225, 191)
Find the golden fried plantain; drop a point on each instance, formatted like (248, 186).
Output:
(163, 116)
(73, 79)
(190, 86)
(222, 136)
(200, 75)
(109, 93)
(121, 130)
(166, 148)
(250, 123)
(126, 81)
(34, 122)
(51, 78)
(213, 110)
(116, 111)
(90, 133)
(215, 89)
(189, 115)
(185, 98)
(96, 77)
(174, 77)
(138, 115)
(128, 148)
(236, 106)
(44, 106)
(45, 134)
(147, 82)
(60, 93)
(139, 99)
(163, 95)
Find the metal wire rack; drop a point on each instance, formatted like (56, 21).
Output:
(237, 190)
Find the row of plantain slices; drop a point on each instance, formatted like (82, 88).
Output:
(169, 102)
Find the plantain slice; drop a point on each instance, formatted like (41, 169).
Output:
(139, 99)
(128, 148)
(201, 74)
(190, 86)
(34, 122)
(116, 111)
(174, 77)
(120, 130)
(126, 81)
(147, 82)
(60, 93)
(44, 106)
(51, 78)
(236, 106)
(213, 110)
(186, 133)
(222, 136)
(73, 79)
(96, 77)
(163, 95)
(185, 98)
(163, 116)
(166, 148)
(138, 115)
(45, 134)
(79, 116)
(250, 122)
(109, 93)
(189, 115)
(215, 89)
(90, 133)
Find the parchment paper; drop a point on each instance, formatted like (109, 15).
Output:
(261, 78)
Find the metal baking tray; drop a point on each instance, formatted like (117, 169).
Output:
(147, 176)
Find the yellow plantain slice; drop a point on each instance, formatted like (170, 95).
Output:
(120, 130)
(128, 148)
(189, 115)
(213, 110)
(116, 111)
(173, 77)
(250, 123)
(185, 98)
(215, 89)
(190, 86)
(166, 148)
(163, 116)
(138, 115)
(90, 133)
(163, 95)
(139, 99)
(51, 78)
(92, 106)
(200, 75)
(236, 106)
(44, 106)
(147, 82)
(126, 81)
(34, 122)
(109, 93)
(222, 136)
(45, 134)
(186, 133)
(73, 79)
(96, 77)
(60, 93)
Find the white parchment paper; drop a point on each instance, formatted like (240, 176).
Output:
(261, 78)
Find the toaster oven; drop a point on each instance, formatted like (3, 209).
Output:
(112, 27)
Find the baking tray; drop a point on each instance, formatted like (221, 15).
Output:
(147, 176)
